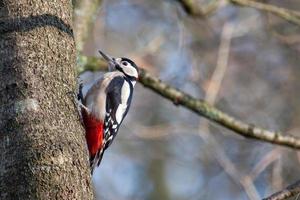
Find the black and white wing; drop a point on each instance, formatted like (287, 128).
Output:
(119, 94)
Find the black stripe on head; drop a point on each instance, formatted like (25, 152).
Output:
(131, 62)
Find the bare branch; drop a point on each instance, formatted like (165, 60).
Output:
(222, 64)
(199, 107)
(291, 191)
(194, 10)
(267, 159)
(197, 11)
(276, 182)
(289, 15)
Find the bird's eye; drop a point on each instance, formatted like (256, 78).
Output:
(124, 63)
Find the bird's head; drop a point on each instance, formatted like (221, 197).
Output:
(124, 65)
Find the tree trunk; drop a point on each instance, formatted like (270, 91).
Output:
(43, 153)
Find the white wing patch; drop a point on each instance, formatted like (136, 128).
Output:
(125, 92)
(120, 112)
(114, 126)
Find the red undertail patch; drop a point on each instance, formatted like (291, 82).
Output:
(94, 132)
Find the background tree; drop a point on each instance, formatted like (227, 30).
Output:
(42, 147)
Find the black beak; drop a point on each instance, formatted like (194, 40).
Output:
(106, 57)
(111, 61)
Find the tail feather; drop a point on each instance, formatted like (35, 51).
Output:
(96, 160)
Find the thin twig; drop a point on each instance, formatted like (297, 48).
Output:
(211, 97)
(194, 10)
(267, 159)
(222, 64)
(277, 179)
(289, 15)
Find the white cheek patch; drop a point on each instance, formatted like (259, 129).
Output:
(131, 71)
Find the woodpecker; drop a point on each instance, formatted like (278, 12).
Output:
(106, 104)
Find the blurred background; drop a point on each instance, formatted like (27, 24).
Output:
(242, 60)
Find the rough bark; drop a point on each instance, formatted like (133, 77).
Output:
(42, 146)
